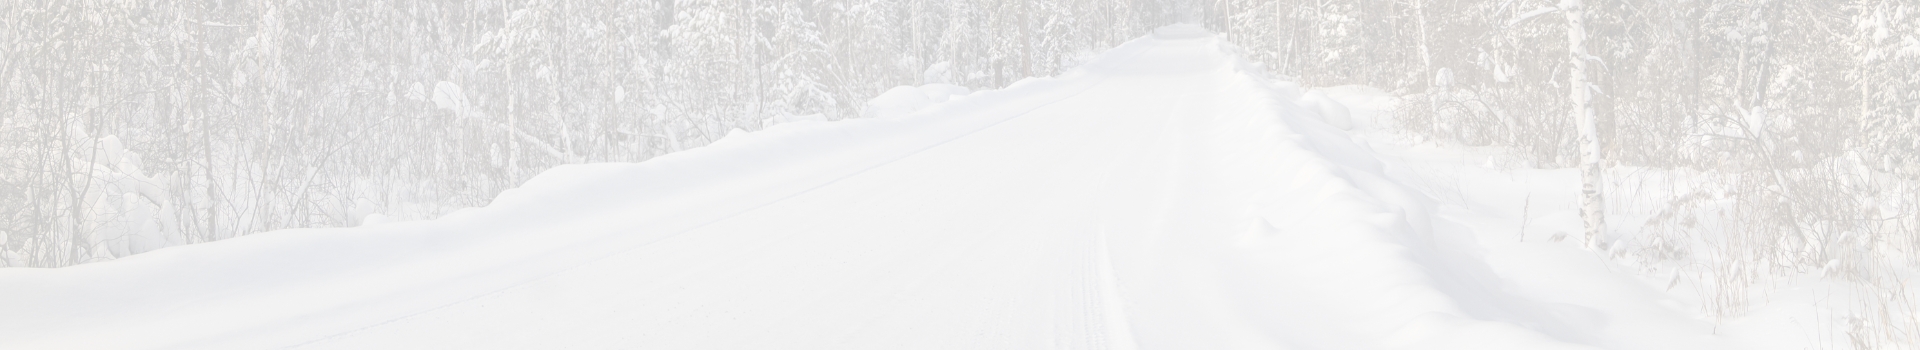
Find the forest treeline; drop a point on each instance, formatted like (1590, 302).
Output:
(1778, 135)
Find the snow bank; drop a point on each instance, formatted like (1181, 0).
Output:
(1326, 109)
(904, 100)
(261, 290)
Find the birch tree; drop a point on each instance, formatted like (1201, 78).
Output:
(1592, 171)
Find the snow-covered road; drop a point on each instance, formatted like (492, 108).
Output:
(1164, 196)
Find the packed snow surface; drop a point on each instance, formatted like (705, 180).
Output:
(1165, 195)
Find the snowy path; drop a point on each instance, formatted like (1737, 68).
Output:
(1160, 198)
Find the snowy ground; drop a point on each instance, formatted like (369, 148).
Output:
(1164, 196)
(1525, 224)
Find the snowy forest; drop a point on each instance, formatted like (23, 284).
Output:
(1785, 135)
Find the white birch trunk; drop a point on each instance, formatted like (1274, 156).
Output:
(1592, 202)
(1420, 21)
(1026, 40)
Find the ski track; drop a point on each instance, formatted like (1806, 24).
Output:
(1162, 197)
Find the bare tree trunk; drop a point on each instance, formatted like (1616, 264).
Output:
(1592, 203)
(1286, 32)
(1026, 40)
(1420, 20)
(914, 17)
(213, 193)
